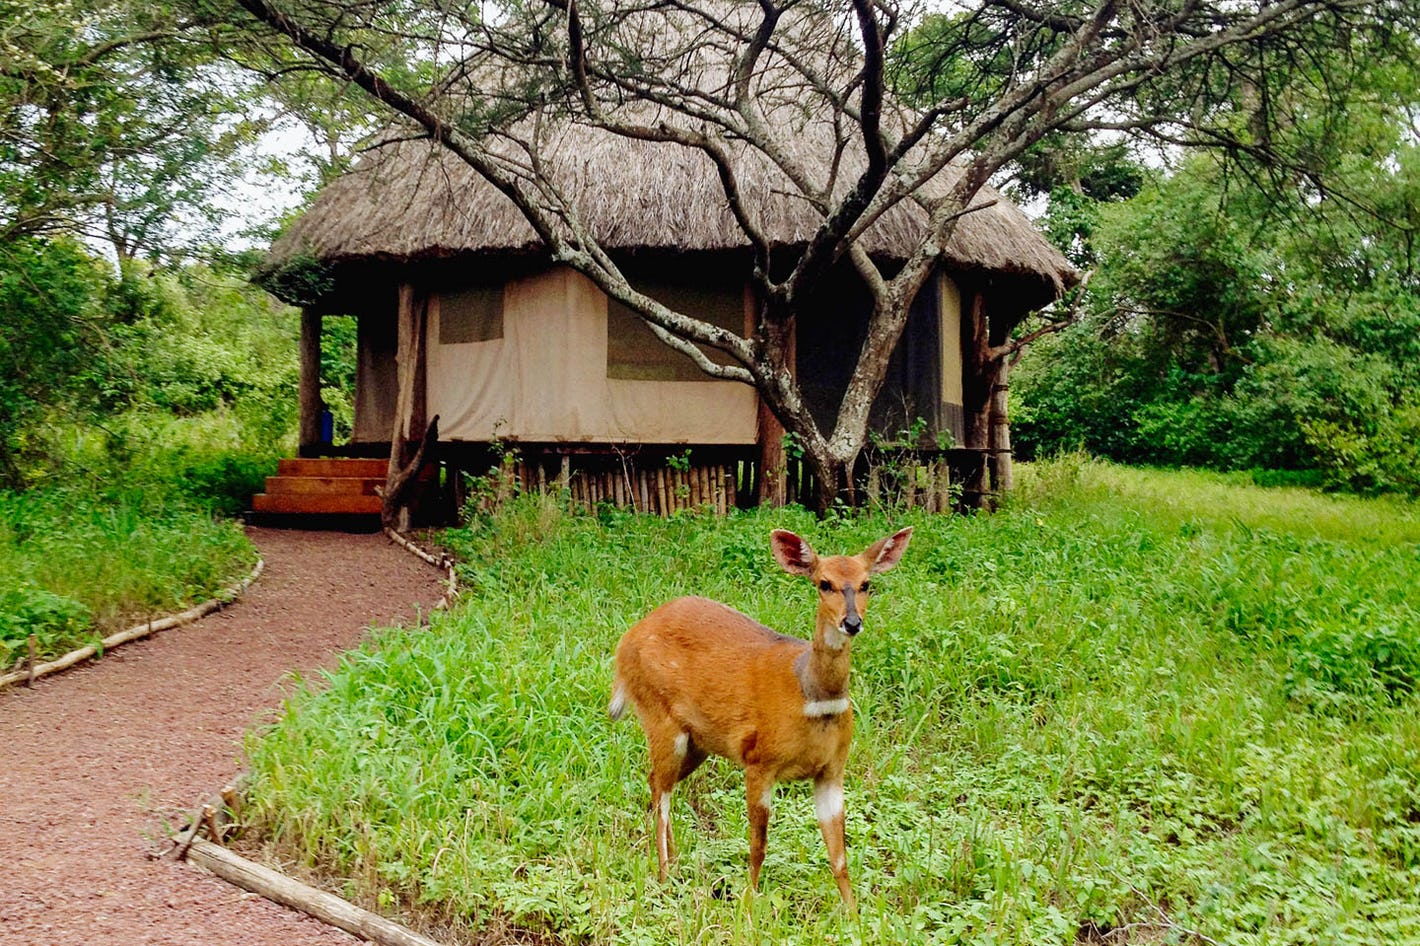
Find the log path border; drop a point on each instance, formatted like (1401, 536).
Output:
(272, 884)
(102, 763)
(226, 596)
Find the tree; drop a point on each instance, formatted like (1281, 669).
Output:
(118, 123)
(1242, 319)
(49, 302)
(721, 77)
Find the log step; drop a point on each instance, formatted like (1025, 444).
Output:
(333, 466)
(329, 485)
(317, 503)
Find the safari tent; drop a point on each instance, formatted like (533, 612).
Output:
(461, 315)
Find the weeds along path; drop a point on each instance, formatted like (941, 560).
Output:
(95, 762)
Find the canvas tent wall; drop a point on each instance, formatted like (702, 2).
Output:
(547, 357)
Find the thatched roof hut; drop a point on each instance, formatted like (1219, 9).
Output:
(440, 265)
(413, 202)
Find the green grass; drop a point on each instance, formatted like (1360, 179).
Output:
(1165, 699)
(76, 565)
(124, 521)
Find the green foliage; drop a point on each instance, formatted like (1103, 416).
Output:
(1223, 338)
(338, 348)
(52, 619)
(90, 357)
(48, 337)
(77, 562)
(1258, 307)
(187, 341)
(303, 280)
(1167, 702)
(118, 121)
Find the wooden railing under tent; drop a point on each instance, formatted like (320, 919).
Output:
(662, 479)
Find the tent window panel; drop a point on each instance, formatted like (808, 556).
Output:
(471, 315)
(634, 353)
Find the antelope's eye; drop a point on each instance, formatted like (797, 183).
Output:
(825, 585)
(863, 588)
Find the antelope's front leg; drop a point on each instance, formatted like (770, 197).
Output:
(828, 806)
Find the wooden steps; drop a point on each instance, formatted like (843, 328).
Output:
(325, 486)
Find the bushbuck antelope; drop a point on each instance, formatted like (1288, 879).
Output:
(705, 679)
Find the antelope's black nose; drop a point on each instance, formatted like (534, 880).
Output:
(852, 624)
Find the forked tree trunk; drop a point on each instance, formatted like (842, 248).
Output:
(833, 483)
(409, 434)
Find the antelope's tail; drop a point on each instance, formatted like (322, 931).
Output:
(617, 707)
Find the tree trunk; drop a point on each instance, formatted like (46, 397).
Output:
(773, 479)
(406, 438)
(833, 482)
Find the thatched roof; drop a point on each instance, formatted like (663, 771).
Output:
(413, 201)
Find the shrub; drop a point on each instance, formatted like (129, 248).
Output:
(54, 620)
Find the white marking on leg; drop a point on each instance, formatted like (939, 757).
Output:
(682, 743)
(828, 801)
(826, 707)
(663, 827)
(840, 863)
(766, 800)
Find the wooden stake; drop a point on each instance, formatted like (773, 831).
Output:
(34, 660)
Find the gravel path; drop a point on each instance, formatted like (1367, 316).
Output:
(95, 762)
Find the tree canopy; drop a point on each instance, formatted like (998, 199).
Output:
(1244, 317)
(718, 77)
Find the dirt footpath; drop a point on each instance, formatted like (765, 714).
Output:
(95, 762)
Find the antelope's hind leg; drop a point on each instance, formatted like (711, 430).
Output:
(672, 759)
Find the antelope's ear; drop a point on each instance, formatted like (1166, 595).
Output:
(885, 553)
(792, 553)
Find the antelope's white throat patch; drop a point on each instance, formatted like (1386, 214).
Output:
(826, 707)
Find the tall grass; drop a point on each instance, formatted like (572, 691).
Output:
(1141, 702)
(126, 525)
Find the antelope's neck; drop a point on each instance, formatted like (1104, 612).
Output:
(824, 671)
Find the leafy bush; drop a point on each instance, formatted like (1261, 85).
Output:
(53, 619)
(1215, 341)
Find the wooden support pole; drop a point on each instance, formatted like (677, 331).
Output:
(1000, 434)
(309, 391)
